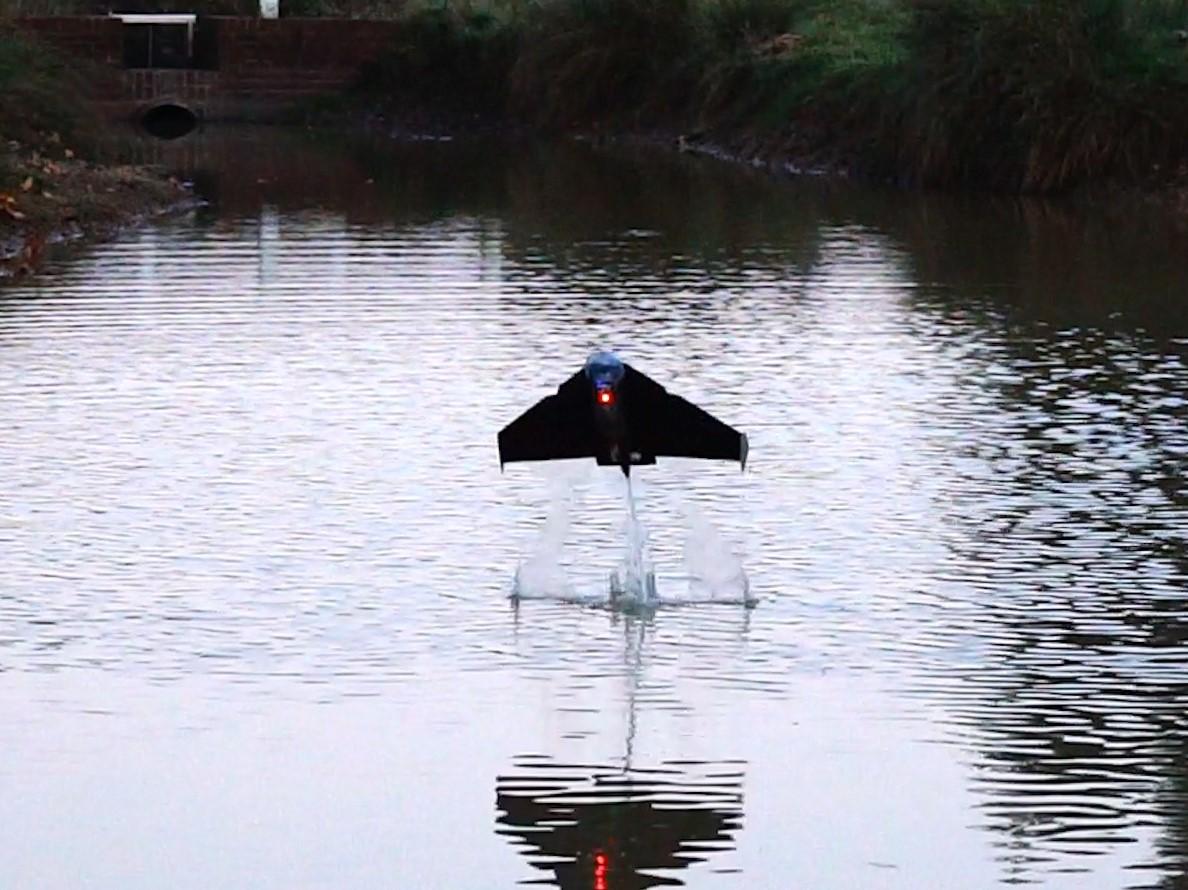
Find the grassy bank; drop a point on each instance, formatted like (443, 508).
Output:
(52, 182)
(1013, 95)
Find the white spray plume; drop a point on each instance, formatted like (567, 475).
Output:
(715, 571)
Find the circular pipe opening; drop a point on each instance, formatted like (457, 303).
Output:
(168, 121)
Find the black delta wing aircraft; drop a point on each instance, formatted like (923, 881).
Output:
(611, 412)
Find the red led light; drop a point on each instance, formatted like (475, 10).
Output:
(605, 396)
(600, 871)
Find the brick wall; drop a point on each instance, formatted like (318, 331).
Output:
(150, 86)
(262, 67)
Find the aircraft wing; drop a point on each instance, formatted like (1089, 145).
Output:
(557, 427)
(669, 426)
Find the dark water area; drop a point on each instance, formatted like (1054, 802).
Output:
(256, 548)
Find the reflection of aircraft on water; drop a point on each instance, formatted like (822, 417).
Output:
(598, 828)
(620, 417)
(610, 826)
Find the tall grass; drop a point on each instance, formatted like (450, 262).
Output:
(590, 59)
(458, 57)
(1018, 95)
(44, 109)
(778, 64)
(42, 94)
(1037, 96)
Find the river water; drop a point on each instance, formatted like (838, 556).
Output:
(256, 547)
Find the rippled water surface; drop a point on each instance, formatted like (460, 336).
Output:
(256, 548)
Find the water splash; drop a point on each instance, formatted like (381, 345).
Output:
(716, 573)
(542, 574)
(633, 582)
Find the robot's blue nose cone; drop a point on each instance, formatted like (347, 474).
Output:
(604, 369)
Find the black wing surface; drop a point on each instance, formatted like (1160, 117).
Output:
(557, 427)
(665, 425)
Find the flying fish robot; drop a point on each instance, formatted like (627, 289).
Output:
(620, 417)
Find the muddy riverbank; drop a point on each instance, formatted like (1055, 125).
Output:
(62, 175)
(53, 196)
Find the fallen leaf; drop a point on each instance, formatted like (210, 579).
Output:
(27, 184)
(13, 212)
(69, 153)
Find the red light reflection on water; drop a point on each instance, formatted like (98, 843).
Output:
(600, 868)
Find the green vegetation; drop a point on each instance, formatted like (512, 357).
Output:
(1017, 95)
(40, 93)
(38, 100)
(49, 137)
(1014, 95)
(43, 106)
(1042, 95)
(457, 58)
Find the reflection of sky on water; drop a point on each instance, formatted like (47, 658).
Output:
(256, 548)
